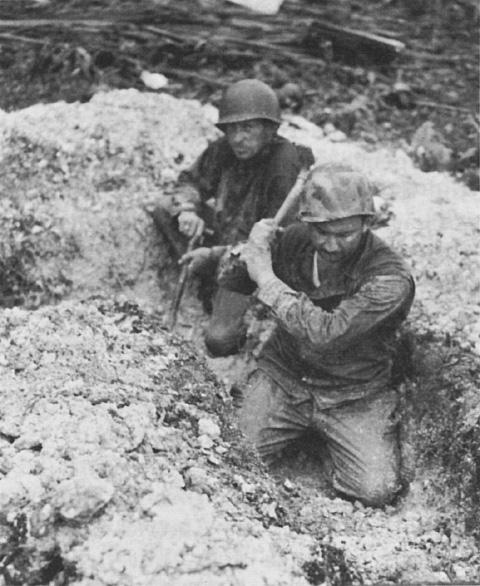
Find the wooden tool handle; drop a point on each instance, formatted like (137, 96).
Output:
(290, 201)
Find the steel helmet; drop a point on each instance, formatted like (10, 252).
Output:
(335, 192)
(247, 100)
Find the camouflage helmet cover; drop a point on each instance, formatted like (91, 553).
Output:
(335, 192)
(248, 99)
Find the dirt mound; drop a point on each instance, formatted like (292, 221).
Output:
(120, 460)
(115, 464)
(76, 179)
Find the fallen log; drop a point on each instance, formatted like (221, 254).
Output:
(423, 56)
(351, 46)
(185, 74)
(42, 22)
(21, 39)
(270, 50)
(164, 33)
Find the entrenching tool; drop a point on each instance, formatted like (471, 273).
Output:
(182, 281)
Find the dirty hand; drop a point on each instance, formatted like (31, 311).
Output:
(256, 252)
(190, 224)
(259, 262)
(263, 233)
(197, 259)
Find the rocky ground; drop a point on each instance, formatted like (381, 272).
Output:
(120, 461)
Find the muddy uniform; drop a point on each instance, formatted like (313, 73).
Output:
(239, 193)
(327, 365)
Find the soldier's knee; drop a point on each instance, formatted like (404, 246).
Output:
(224, 339)
(377, 489)
(373, 486)
(161, 216)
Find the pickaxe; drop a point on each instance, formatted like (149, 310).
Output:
(180, 288)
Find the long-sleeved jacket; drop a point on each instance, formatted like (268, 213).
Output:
(335, 339)
(244, 191)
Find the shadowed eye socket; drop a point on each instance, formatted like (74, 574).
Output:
(251, 125)
(324, 233)
(247, 126)
(346, 234)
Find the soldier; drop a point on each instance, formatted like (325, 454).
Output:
(239, 179)
(338, 294)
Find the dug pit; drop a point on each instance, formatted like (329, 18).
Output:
(120, 460)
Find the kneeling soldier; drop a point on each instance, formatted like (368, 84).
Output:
(338, 294)
(239, 179)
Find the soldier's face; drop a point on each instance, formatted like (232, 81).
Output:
(248, 138)
(337, 240)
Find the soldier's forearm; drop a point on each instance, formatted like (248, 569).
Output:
(216, 252)
(186, 199)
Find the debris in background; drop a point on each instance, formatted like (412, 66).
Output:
(154, 81)
(353, 46)
(429, 150)
(62, 51)
(291, 96)
(400, 96)
(262, 6)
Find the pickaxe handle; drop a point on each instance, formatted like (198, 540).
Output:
(233, 271)
(291, 200)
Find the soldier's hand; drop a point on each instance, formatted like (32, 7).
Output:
(190, 224)
(257, 256)
(259, 262)
(263, 233)
(197, 260)
(256, 252)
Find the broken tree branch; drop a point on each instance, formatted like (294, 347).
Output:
(8, 37)
(439, 106)
(420, 55)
